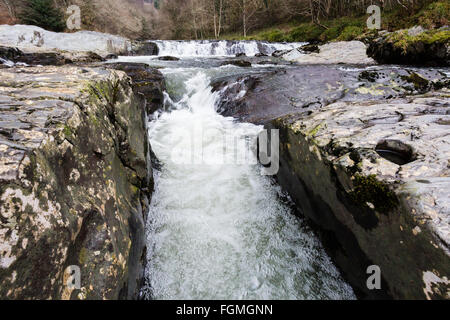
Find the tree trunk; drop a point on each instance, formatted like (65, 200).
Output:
(220, 17)
(10, 8)
(244, 22)
(215, 25)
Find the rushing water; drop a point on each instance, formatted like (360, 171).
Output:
(217, 228)
(208, 48)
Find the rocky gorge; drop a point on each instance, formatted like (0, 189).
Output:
(363, 152)
(364, 156)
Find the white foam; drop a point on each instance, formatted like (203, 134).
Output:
(205, 48)
(220, 231)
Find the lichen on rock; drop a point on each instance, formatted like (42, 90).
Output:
(396, 212)
(75, 183)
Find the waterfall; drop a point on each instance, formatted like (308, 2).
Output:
(203, 48)
(217, 228)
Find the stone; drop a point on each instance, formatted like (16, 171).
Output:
(415, 31)
(414, 46)
(364, 155)
(279, 53)
(56, 58)
(238, 63)
(75, 183)
(111, 56)
(263, 96)
(348, 52)
(144, 48)
(168, 58)
(307, 48)
(147, 81)
(33, 39)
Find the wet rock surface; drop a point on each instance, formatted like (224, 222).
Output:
(364, 153)
(144, 48)
(75, 183)
(380, 211)
(310, 48)
(238, 63)
(260, 97)
(168, 58)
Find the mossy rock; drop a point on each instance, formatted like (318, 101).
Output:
(369, 191)
(420, 84)
(368, 75)
(430, 47)
(403, 40)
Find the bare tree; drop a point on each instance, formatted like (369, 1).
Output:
(218, 9)
(10, 6)
(248, 9)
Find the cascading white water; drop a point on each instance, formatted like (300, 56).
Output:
(218, 229)
(203, 48)
(7, 62)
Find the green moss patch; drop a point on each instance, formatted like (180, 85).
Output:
(67, 131)
(420, 84)
(305, 32)
(369, 190)
(402, 40)
(350, 33)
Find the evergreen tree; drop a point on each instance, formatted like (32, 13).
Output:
(44, 14)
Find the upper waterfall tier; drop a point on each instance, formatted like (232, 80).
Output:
(202, 48)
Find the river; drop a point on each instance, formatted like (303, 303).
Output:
(218, 228)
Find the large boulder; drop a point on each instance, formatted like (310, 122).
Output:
(414, 46)
(374, 177)
(45, 58)
(260, 97)
(75, 183)
(146, 80)
(348, 52)
(364, 155)
(168, 58)
(238, 63)
(144, 48)
(33, 39)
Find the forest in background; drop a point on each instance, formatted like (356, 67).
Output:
(272, 20)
